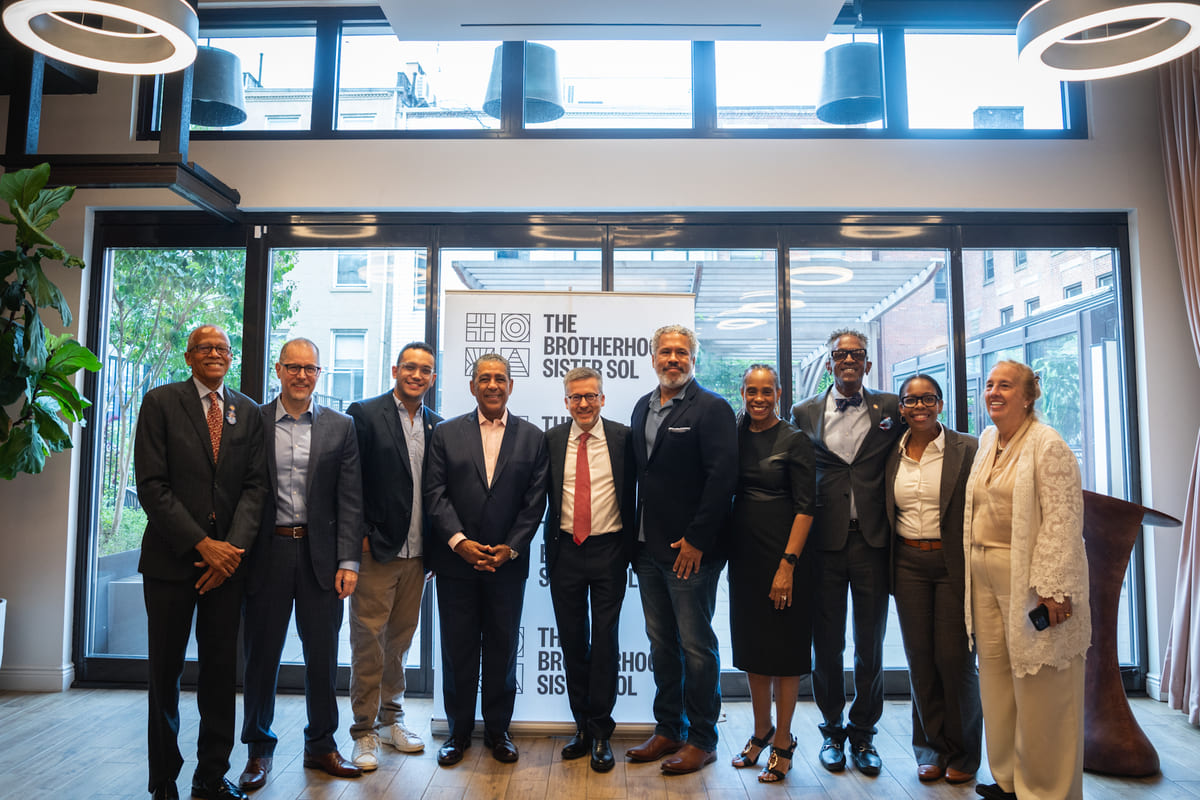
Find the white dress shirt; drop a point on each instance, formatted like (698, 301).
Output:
(606, 517)
(918, 490)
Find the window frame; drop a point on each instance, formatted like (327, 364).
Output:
(328, 23)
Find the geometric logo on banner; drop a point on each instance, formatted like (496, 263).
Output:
(471, 354)
(481, 327)
(518, 360)
(514, 327)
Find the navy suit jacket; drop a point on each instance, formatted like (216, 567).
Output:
(386, 473)
(835, 477)
(186, 496)
(685, 486)
(333, 497)
(620, 457)
(952, 494)
(458, 498)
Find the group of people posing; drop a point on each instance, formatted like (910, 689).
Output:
(256, 511)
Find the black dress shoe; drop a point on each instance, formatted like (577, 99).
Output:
(220, 789)
(502, 746)
(865, 758)
(451, 752)
(992, 791)
(833, 756)
(577, 747)
(167, 792)
(602, 756)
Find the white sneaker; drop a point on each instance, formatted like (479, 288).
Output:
(364, 752)
(401, 738)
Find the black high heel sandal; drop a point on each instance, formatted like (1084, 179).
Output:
(743, 758)
(772, 773)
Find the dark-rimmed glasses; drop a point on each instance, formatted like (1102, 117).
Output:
(927, 400)
(207, 349)
(576, 399)
(311, 370)
(857, 354)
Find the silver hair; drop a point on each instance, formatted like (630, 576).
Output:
(681, 330)
(583, 374)
(490, 357)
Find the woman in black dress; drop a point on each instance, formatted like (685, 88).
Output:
(769, 574)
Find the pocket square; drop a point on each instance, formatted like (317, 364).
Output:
(680, 430)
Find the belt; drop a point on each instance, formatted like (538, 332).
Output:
(854, 525)
(294, 532)
(570, 535)
(921, 544)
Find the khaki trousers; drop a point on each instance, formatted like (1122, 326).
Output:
(384, 610)
(1033, 725)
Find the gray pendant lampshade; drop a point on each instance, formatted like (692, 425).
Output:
(543, 98)
(851, 86)
(217, 97)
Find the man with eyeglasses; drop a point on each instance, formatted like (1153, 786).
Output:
(589, 544)
(201, 479)
(306, 556)
(393, 430)
(853, 430)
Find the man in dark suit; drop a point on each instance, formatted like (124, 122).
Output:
(485, 493)
(589, 538)
(684, 443)
(853, 431)
(393, 430)
(201, 479)
(306, 555)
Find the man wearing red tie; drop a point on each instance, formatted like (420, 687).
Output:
(588, 549)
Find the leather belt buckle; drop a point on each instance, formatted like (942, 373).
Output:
(293, 532)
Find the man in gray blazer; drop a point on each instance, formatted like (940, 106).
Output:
(853, 431)
(201, 479)
(307, 555)
(589, 544)
(393, 430)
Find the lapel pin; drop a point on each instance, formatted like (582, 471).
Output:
(231, 414)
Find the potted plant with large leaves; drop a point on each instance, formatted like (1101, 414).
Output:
(38, 399)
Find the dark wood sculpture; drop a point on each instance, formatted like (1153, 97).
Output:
(1114, 743)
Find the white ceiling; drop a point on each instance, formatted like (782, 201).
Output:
(691, 20)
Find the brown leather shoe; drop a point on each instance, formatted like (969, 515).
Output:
(929, 772)
(254, 776)
(958, 776)
(332, 763)
(689, 759)
(654, 748)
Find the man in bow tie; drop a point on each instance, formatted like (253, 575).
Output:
(852, 430)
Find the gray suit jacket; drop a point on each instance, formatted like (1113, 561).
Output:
(333, 496)
(835, 477)
(186, 496)
(956, 468)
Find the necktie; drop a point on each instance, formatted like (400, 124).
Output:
(582, 517)
(214, 422)
(841, 403)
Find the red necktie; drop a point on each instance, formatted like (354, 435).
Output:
(214, 423)
(582, 518)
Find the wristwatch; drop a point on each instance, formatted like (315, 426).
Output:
(512, 554)
(791, 558)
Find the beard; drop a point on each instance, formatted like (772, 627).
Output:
(673, 383)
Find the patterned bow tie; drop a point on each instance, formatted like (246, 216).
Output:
(842, 402)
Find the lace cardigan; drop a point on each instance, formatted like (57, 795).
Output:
(1047, 554)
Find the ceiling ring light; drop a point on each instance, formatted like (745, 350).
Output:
(1044, 31)
(167, 42)
(836, 275)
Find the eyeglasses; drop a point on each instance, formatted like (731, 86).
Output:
(412, 366)
(576, 399)
(927, 400)
(207, 349)
(311, 370)
(857, 354)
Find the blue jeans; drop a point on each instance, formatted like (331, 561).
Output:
(683, 650)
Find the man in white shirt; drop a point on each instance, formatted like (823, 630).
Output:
(589, 541)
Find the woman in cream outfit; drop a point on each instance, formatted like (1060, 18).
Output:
(1024, 547)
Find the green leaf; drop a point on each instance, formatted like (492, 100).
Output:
(5, 424)
(43, 210)
(68, 356)
(23, 452)
(47, 295)
(35, 340)
(11, 389)
(56, 435)
(22, 187)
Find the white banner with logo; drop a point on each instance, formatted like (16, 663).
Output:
(544, 335)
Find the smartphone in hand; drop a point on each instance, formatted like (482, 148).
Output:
(1040, 617)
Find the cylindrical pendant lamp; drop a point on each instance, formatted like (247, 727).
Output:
(543, 96)
(851, 86)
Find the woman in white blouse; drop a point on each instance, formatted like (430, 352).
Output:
(1024, 545)
(926, 483)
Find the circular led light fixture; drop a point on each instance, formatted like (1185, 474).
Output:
(835, 275)
(741, 324)
(1163, 31)
(166, 43)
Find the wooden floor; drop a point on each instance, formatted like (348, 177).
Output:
(89, 744)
